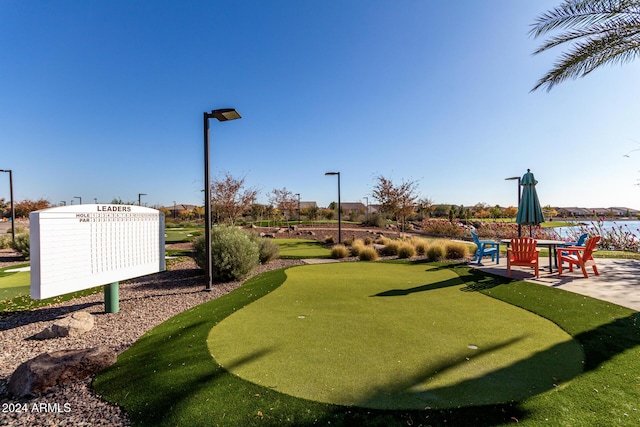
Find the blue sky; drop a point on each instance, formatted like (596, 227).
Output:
(105, 100)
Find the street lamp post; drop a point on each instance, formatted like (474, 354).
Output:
(298, 194)
(513, 178)
(339, 207)
(13, 211)
(78, 197)
(221, 115)
(139, 196)
(366, 215)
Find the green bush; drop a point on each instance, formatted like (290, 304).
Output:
(376, 220)
(368, 253)
(233, 253)
(406, 250)
(339, 251)
(5, 241)
(21, 244)
(455, 250)
(435, 252)
(268, 251)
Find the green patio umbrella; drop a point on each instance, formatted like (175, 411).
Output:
(529, 210)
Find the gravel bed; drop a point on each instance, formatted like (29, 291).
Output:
(144, 303)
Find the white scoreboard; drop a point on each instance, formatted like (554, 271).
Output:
(81, 246)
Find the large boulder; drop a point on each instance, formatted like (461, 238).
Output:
(70, 326)
(37, 375)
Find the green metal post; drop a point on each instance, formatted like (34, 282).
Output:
(111, 298)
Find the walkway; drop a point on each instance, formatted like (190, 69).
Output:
(618, 282)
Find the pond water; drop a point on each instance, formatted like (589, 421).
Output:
(632, 226)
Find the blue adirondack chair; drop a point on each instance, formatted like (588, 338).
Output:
(580, 242)
(486, 247)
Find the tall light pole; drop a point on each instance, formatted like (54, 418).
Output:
(13, 211)
(513, 178)
(221, 115)
(139, 196)
(366, 215)
(298, 194)
(339, 207)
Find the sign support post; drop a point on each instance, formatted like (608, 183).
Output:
(112, 298)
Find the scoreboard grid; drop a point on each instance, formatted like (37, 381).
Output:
(81, 246)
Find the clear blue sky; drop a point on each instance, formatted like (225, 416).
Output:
(104, 99)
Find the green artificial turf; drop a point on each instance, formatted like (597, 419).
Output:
(302, 248)
(14, 284)
(169, 378)
(15, 292)
(393, 336)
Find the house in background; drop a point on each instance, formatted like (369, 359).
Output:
(179, 211)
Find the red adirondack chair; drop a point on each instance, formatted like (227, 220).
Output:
(579, 255)
(523, 252)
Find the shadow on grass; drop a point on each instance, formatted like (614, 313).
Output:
(169, 378)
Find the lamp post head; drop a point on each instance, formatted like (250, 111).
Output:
(512, 178)
(225, 114)
(332, 173)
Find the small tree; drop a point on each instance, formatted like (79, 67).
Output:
(284, 200)
(229, 199)
(400, 200)
(25, 207)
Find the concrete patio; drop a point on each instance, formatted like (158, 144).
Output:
(618, 282)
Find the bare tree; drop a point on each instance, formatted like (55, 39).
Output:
(399, 200)
(230, 199)
(284, 200)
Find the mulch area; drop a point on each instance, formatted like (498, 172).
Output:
(8, 258)
(321, 232)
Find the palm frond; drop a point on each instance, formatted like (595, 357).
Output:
(599, 31)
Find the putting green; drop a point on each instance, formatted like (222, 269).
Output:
(392, 336)
(14, 284)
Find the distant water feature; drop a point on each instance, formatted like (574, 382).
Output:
(631, 226)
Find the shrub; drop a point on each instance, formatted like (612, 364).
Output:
(356, 246)
(406, 250)
(391, 248)
(21, 244)
(329, 239)
(383, 240)
(368, 254)
(435, 252)
(368, 240)
(455, 250)
(5, 241)
(443, 227)
(420, 245)
(376, 220)
(267, 250)
(339, 251)
(233, 253)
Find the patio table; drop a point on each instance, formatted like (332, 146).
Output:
(550, 244)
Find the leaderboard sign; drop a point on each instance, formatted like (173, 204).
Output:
(81, 246)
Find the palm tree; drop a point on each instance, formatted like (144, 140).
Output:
(602, 32)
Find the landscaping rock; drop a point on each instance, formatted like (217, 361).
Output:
(71, 326)
(37, 375)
